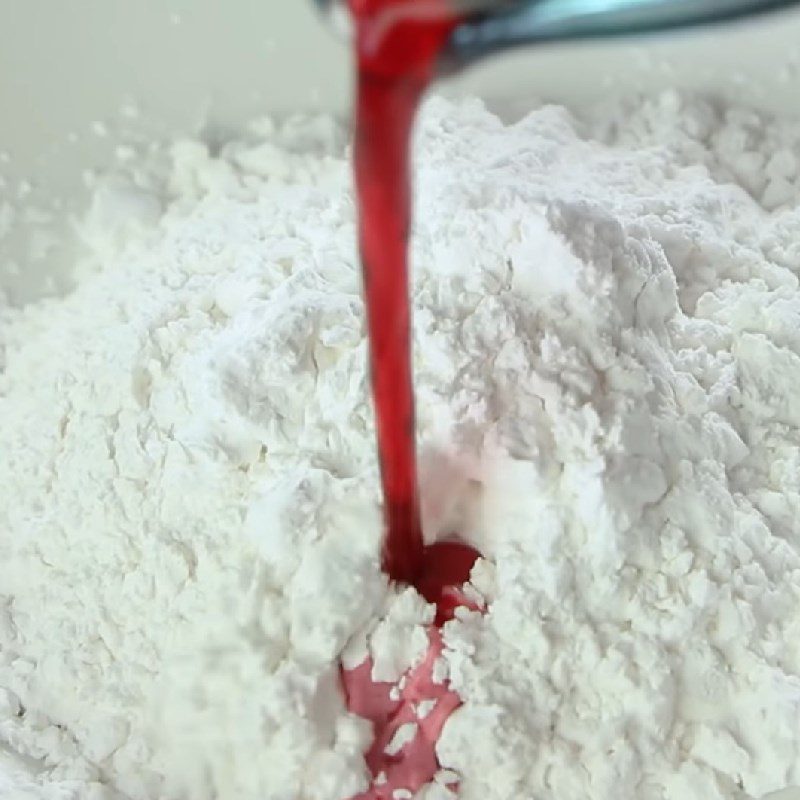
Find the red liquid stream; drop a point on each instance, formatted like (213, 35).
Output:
(397, 44)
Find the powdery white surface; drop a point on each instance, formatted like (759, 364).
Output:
(608, 367)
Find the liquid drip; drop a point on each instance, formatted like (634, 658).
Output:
(397, 44)
(397, 58)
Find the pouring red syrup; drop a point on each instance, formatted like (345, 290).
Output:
(398, 43)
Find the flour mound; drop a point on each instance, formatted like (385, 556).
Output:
(608, 364)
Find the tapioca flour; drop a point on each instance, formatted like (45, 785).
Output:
(607, 356)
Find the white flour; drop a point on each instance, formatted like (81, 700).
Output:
(608, 365)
